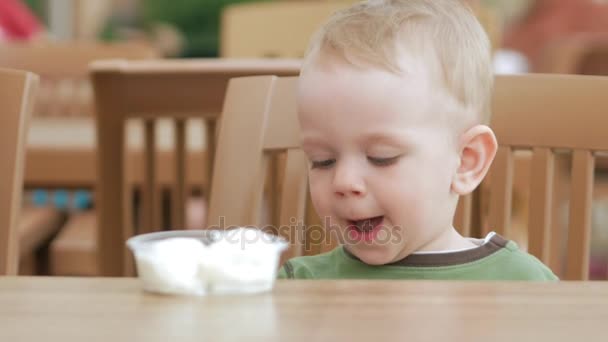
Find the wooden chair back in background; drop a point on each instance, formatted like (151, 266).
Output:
(60, 145)
(548, 114)
(541, 113)
(17, 91)
(64, 106)
(173, 89)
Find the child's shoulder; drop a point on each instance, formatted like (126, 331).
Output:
(305, 267)
(516, 264)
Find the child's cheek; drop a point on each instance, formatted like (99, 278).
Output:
(320, 196)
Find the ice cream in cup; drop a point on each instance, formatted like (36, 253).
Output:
(202, 262)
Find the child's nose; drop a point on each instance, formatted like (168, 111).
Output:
(348, 180)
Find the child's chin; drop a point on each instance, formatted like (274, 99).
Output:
(373, 257)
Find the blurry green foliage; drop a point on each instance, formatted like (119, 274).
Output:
(197, 20)
(37, 6)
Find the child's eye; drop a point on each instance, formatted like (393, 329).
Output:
(383, 161)
(322, 164)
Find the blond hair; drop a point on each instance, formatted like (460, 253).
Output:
(446, 31)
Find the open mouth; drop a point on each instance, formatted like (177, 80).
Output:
(366, 229)
(366, 225)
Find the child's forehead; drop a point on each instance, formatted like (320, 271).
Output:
(371, 113)
(403, 62)
(372, 89)
(331, 77)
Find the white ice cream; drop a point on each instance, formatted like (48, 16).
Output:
(240, 261)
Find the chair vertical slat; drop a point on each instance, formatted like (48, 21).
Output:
(210, 152)
(179, 191)
(131, 179)
(110, 173)
(293, 202)
(541, 198)
(128, 227)
(559, 234)
(275, 178)
(462, 219)
(17, 90)
(128, 190)
(149, 221)
(501, 191)
(577, 264)
(477, 209)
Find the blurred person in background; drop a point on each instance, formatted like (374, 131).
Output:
(549, 20)
(18, 23)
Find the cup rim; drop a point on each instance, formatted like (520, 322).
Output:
(207, 236)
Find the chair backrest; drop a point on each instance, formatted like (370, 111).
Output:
(273, 29)
(63, 68)
(541, 113)
(177, 90)
(63, 101)
(259, 120)
(545, 114)
(17, 90)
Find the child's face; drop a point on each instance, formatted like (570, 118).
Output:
(382, 159)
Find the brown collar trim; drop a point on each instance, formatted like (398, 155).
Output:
(495, 244)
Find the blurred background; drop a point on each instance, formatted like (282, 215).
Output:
(550, 36)
(525, 32)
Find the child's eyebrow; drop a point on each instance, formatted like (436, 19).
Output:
(392, 139)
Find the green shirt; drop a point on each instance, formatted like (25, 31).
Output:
(494, 259)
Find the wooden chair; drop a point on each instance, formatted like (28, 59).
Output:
(61, 142)
(178, 90)
(546, 114)
(259, 120)
(56, 154)
(17, 90)
(59, 152)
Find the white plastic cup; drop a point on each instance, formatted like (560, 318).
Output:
(201, 262)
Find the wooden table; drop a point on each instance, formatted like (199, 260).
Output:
(114, 309)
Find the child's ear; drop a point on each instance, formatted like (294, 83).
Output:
(477, 150)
